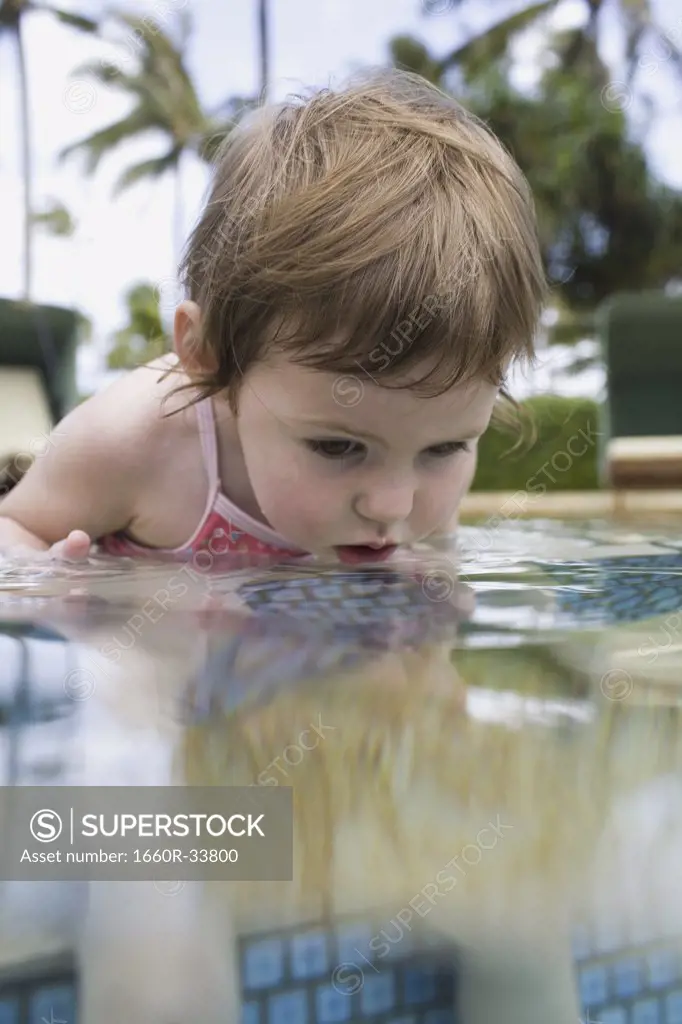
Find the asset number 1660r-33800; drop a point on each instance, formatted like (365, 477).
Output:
(194, 856)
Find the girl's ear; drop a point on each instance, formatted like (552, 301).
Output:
(194, 358)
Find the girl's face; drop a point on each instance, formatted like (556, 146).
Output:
(338, 461)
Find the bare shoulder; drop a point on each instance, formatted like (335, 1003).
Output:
(103, 458)
(124, 423)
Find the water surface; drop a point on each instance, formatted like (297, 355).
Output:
(510, 711)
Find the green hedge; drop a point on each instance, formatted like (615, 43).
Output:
(563, 456)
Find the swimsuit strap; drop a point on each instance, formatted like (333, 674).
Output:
(209, 446)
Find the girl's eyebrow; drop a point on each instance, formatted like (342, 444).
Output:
(471, 434)
(341, 429)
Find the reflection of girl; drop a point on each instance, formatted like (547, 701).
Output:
(399, 783)
(407, 810)
(307, 625)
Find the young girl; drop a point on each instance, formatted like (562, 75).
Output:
(364, 272)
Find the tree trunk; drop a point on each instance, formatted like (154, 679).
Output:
(26, 169)
(263, 48)
(178, 213)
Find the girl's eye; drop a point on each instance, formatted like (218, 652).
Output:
(335, 448)
(441, 451)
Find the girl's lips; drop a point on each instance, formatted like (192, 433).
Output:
(353, 554)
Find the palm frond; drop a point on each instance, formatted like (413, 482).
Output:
(98, 144)
(106, 72)
(411, 55)
(78, 21)
(153, 168)
(157, 48)
(493, 43)
(160, 78)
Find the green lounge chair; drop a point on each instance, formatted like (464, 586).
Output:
(641, 434)
(37, 381)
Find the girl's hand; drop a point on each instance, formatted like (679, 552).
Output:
(74, 548)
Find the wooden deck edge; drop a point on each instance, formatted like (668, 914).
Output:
(569, 504)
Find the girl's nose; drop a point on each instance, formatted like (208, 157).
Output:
(385, 505)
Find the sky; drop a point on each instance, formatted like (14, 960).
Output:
(120, 241)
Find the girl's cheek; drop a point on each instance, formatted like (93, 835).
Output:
(298, 501)
(464, 474)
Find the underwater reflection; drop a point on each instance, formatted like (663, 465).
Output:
(451, 796)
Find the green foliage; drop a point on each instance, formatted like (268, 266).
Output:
(606, 224)
(143, 338)
(562, 456)
(12, 11)
(164, 101)
(56, 220)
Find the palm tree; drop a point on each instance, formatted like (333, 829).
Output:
(643, 35)
(263, 48)
(606, 223)
(164, 101)
(12, 13)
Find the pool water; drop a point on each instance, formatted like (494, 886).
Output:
(484, 753)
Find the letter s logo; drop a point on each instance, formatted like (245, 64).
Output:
(46, 826)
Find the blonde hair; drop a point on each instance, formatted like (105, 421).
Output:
(402, 779)
(369, 230)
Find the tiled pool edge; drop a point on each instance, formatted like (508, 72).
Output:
(569, 504)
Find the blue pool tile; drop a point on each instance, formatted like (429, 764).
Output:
(331, 1006)
(309, 957)
(419, 985)
(251, 1013)
(352, 940)
(627, 978)
(592, 985)
(673, 1007)
(647, 1011)
(663, 967)
(9, 1011)
(289, 1008)
(378, 993)
(54, 1002)
(263, 964)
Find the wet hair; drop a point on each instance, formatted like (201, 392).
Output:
(373, 230)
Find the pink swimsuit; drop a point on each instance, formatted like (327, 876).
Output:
(224, 528)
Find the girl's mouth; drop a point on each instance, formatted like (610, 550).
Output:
(355, 554)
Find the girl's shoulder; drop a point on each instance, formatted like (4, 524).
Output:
(144, 402)
(128, 425)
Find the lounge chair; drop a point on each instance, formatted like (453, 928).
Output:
(641, 440)
(37, 381)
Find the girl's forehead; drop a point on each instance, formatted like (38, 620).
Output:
(356, 403)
